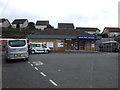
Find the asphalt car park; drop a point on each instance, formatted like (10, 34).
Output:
(63, 70)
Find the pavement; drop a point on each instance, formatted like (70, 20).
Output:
(82, 51)
(63, 70)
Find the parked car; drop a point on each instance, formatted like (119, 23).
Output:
(38, 47)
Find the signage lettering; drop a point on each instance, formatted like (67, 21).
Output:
(86, 37)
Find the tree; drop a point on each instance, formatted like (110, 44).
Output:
(31, 25)
(103, 35)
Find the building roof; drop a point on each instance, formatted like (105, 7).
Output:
(65, 25)
(3, 20)
(68, 32)
(87, 29)
(19, 21)
(42, 23)
(112, 29)
(59, 34)
(50, 37)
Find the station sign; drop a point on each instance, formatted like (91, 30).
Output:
(86, 37)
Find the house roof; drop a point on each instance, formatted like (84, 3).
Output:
(112, 29)
(3, 20)
(87, 29)
(19, 21)
(42, 23)
(68, 32)
(65, 25)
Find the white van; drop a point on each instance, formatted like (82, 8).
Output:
(38, 47)
(17, 49)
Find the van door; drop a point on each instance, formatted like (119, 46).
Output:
(39, 48)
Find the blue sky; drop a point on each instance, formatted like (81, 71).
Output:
(83, 13)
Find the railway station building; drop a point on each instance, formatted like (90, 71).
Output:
(62, 39)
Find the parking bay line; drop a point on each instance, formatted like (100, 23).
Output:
(31, 64)
(43, 74)
(36, 68)
(53, 82)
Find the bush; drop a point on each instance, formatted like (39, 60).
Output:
(16, 32)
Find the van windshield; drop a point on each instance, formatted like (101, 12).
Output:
(36, 45)
(17, 43)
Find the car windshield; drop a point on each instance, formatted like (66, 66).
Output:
(16, 43)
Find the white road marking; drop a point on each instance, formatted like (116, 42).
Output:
(38, 63)
(31, 64)
(53, 82)
(28, 62)
(59, 70)
(36, 68)
(43, 74)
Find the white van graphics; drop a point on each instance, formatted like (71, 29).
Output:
(17, 49)
(38, 47)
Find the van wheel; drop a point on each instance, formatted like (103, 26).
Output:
(33, 51)
(27, 59)
(7, 60)
(47, 51)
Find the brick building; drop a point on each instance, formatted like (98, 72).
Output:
(65, 39)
